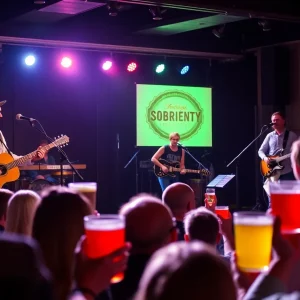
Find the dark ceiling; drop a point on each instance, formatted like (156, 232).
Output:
(184, 25)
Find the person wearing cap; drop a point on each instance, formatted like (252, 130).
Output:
(3, 146)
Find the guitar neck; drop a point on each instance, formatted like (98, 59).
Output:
(281, 158)
(186, 170)
(22, 160)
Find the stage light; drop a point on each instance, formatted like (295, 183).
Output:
(113, 8)
(160, 68)
(157, 12)
(265, 24)
(184, 70)
(219, 31)
(29, 60)
(66, 62)
(107, 65)
(131, 67)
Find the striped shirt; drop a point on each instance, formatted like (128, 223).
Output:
(273, 142)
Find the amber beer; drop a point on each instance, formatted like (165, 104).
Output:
(88, 189)
(222, 211)
(104, 235)
(285, 203)
(253, 240)
(211, 197)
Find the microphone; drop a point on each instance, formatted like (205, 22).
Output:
(19, 117)
(270, 125)
(180, 145)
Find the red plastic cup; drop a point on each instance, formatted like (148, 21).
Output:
(104, 235)
(222, 211)
(285, 203)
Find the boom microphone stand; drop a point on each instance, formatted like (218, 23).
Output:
(262, 131)
(191, 155)
(63, 155)
(134, 156)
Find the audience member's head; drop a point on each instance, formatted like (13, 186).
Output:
(186, 271)
(149, 224)
(57, 226)
(22, 273)
(180, 198)
(4, 197)
(295, 159)
(20, 212)
(203, 225)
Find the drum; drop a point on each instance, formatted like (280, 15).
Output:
(198, 186)
(39, 184)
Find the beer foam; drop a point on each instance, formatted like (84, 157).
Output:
(285, 192)
(285, 187)
(258, 221)
(85, 189)
(98, 224)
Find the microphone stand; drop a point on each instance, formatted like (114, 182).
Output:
(136, 169)
(191, 155)
(262, 131)
(63, 155)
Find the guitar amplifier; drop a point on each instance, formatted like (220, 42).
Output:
(146, 164)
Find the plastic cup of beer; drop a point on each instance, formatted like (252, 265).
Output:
(253, 240)
(88, 189)
(285, 203)
(104, 235)
(210, 195)
(222, 211)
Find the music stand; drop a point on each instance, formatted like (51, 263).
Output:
(220, 181)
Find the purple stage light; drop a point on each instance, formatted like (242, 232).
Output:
(66, 62)
(107, 65)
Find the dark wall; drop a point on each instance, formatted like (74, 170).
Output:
(94, 108)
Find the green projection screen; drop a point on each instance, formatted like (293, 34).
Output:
(162, 109)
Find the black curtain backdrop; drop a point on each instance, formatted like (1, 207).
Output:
(94, 109)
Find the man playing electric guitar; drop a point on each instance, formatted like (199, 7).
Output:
(276, 140)
(4, 149)
(173, 153)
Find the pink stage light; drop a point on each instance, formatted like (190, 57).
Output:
(107, 65)
(131, 67)
(66, 62)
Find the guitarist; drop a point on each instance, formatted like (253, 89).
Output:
(4, 148)
(172, 153)
(279, 138)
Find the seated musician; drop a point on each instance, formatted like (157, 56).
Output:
(47, 160)
(171, 153)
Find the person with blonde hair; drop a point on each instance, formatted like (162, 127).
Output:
(58, 226)
(171, 153)
(4, 197)
(20, 212)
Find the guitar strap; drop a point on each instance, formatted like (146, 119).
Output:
(285, 139)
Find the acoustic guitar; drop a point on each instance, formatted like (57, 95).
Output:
(270, 169)
(9, 170)
(173, 168)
